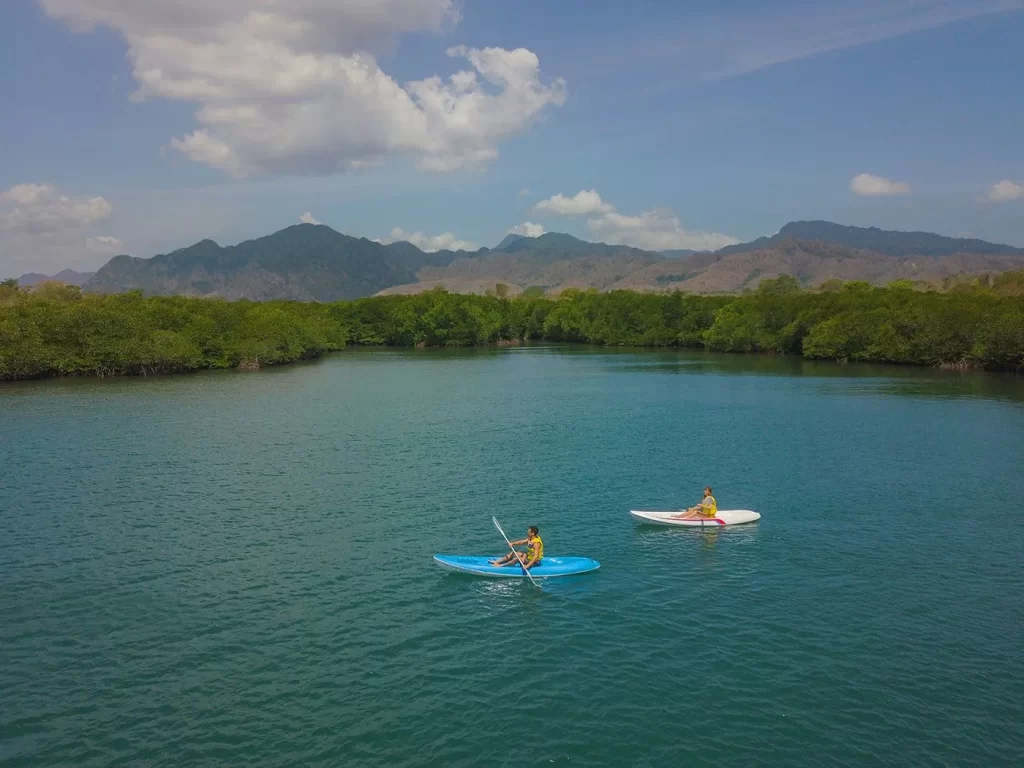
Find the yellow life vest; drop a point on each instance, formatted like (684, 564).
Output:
(536, 546)
(709, 507)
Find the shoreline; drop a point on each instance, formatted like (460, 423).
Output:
(861, 365)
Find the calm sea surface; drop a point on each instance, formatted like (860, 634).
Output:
(236, 569)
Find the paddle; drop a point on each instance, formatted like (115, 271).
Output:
(525, 569)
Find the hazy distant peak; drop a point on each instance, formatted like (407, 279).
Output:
(68, 276)
(509, 239)
(549, 240)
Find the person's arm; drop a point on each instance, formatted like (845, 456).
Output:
(517, 543)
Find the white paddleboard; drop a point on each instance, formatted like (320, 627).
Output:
(723, 517)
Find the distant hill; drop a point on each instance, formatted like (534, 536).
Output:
(553, 245)
(309, 262)
(315, 263)
(547, 242)
(585, 271)
(552, 261)
(888, 242)
(410, 256)
(67, 276)
(811, 262)
(509, 239)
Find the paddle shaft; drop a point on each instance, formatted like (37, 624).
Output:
(513, 549)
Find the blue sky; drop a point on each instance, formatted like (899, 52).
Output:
(140, 130)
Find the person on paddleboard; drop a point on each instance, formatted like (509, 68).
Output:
(532, 556)
(707, 508)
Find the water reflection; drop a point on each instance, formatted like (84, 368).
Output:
(745, 530)
(867, 378)
(709, 540)
(495, 596)
(496, 589)
(847, 378)
(860, 378)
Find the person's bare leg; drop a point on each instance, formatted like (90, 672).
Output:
(517, 558)
(688, 514)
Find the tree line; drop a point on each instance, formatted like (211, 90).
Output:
(56, 330)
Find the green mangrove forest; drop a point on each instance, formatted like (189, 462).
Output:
(56, 330)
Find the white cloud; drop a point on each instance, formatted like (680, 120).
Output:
(523, 192)
(42, 228)
(656, 230)
(527, 229)
(868, 185)
(583, 203)
(429, 243)
(27, 194)
(1005, 190)
(104, 244)
(307, 218)
(41, 209)
(296, 88)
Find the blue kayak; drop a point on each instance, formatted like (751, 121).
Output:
(549, 566)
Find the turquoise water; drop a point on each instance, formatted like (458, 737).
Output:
(236, 568)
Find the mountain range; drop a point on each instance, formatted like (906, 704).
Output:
(812, 251)
(313, 262)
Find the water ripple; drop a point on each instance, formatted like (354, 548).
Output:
(233, 569)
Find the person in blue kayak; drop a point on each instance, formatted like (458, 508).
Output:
(531, 557)
(707, 508)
